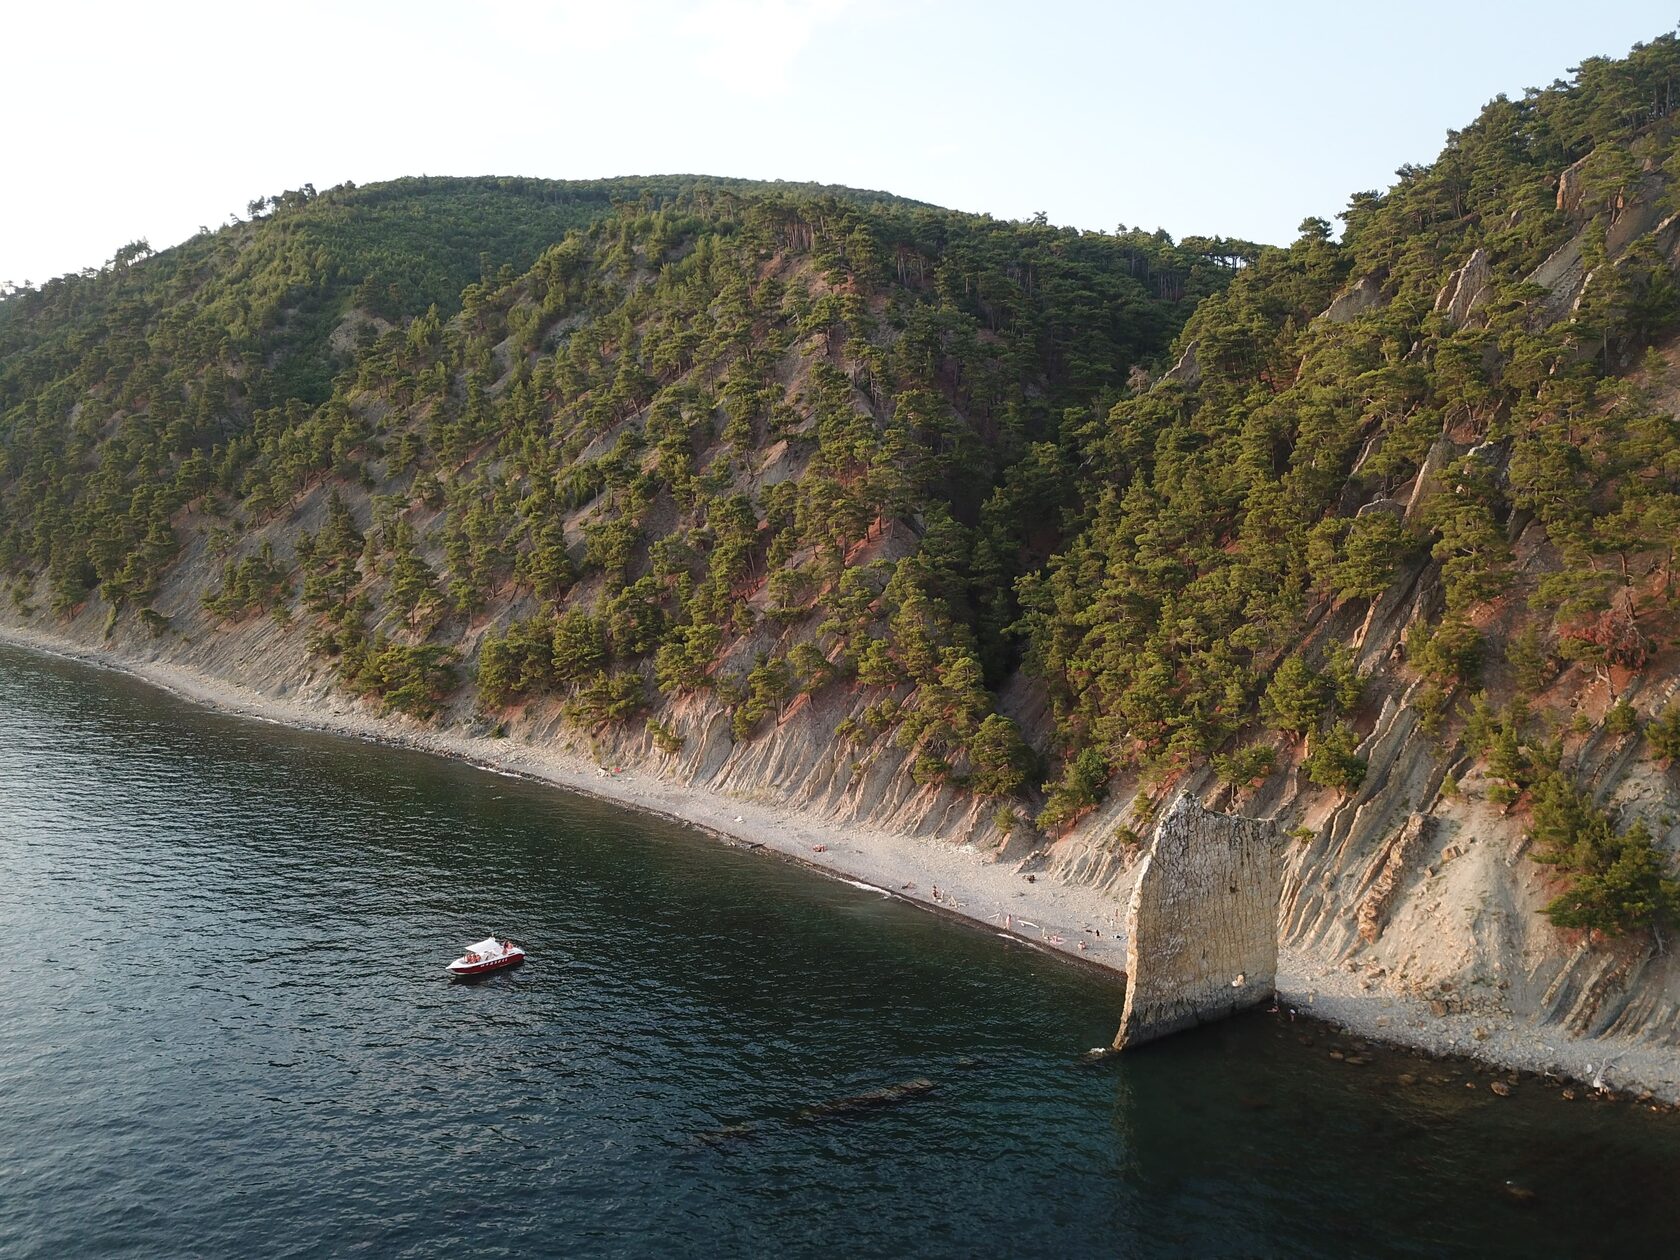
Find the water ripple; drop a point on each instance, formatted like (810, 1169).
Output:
(226, 1032)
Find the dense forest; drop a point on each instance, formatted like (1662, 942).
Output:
(610, 445)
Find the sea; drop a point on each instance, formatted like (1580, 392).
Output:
(226, 1031)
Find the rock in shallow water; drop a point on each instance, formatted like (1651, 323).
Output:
(1201, 926)
(873, 1100)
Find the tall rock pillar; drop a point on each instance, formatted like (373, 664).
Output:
(1202, 926)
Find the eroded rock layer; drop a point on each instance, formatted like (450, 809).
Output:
(1202, 925)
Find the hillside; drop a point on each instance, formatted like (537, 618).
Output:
(994, 532)
(674, 396)
(259, 300)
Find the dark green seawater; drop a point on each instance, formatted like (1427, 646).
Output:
(224, 1032)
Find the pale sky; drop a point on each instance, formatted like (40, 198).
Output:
(127, 120)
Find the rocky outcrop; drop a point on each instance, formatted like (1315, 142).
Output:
(1467, 290)
(1364, 295)
(1202, 925)
(1186, 371)
(1636, 213)
(1428, 479)
(1571, 188)
(1382, 507)
(1396, 860)
(1563, 276)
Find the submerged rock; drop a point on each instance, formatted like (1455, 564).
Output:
(727, 1134)
(873, 1100)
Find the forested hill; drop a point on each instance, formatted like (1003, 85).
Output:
(1427, 480)
(696, 386)
(500, 451)
(262, 297)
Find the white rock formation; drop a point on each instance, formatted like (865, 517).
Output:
(1202, 926)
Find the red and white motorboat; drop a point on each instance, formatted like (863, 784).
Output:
(486, 955)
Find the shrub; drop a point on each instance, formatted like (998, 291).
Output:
(929, 768)
(1245, 767)
(1664, 735)
(768, 685)
(1333, 761)
(1342, 677)
(515, 664)
(608, 698)
(414, 679)
(1621, 720)
(254, 583)
(1532, 664)
(1295, 698)
(579, 649)
(667, 739)
(1447, 653)
(1083, 785)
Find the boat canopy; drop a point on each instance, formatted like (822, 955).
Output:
(489, 945)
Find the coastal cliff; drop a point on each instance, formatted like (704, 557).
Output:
(991, 537)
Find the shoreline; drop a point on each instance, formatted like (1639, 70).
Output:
(906, 868)
(1076, 924)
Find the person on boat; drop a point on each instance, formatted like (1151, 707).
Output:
(471, 957)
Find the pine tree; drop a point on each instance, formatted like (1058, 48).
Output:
(1295, 699)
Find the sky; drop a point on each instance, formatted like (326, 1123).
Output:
(126, 121)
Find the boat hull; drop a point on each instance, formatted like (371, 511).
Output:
(484, 966)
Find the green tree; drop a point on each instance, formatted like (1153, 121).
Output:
(579, 648)
(1295, 698)
(1334, 761)
(1000, 757)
